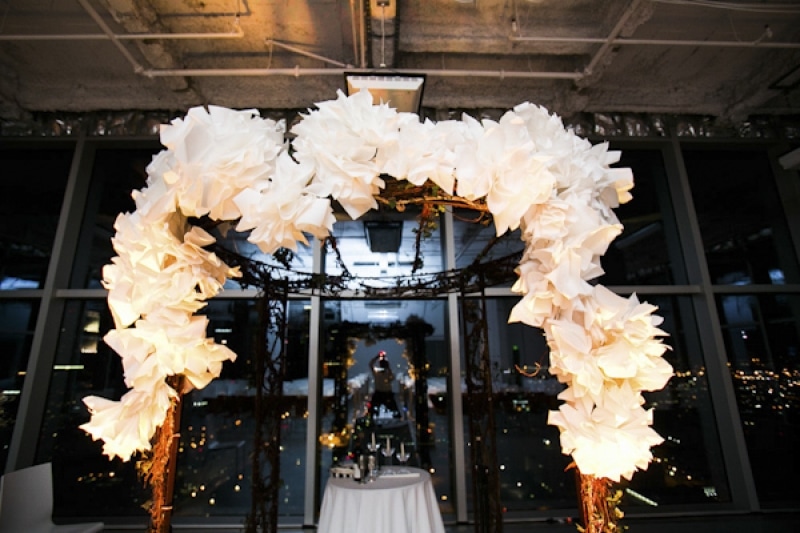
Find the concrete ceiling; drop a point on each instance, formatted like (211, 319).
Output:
(730, 59)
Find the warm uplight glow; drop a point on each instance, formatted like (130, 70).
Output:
(526, 169)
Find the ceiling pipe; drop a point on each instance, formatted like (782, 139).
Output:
(296, 50)
(609, 41)
(238, 34)
(354, 25)
(126, 37)
(298, 72)
(613, 38)
(363, 33)
(383, 32)
(107, 30)
(656, 42)
(108, 34)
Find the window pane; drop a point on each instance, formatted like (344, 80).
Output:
(31, 193)
(532, 467)
(214, 463)
(408, 410)
(763, 347)
(687, 468)
(84, 480)
(380, 248)
(477, 241)
(749, 244)
(647, 252)
(116, 173)
(218, 424)
(17, 322)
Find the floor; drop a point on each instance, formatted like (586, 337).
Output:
(763, 523)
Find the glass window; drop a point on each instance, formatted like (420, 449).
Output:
(687, 467)
(17, 322)
(762, 340)
(647, 252)
(214, 462)
(116, 173)
(532, 467)
(475, 240)
(400, 396)
(741, 219)
(84, 479)
(381, 247)
(31, 193)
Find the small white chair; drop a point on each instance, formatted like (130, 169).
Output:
(26, 503)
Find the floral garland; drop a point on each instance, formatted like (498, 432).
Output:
(530, 171)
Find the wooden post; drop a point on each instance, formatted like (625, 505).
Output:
(160, 471)
(597, 505)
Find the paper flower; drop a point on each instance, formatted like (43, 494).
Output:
(423, 151)
(280, 210)
(160, 265)
(531, 172)
(214, 154)
(611, 439)
(499, 161)
(126, 426)
(340, 141)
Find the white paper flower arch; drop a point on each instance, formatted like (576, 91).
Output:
(531, 172)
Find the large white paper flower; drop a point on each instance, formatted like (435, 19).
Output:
(126, 426)
(340, 142)
(499, 161)
(280, 210)
(157, 348)
(159, 265)
(530, 171)
(423, 151)
(631, 347)
(216, 153)
(611, 439)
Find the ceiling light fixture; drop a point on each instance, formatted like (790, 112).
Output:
(384, 236)
(383, 4)
(402, 92)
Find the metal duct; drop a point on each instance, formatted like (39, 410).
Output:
(382, 26)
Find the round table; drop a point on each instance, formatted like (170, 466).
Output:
(401, 500)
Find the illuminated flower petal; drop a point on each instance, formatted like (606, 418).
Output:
(126, 426)
(527, 169)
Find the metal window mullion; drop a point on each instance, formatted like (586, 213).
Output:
(454, 378)
(314, 399)
(33, 400)
(724, 405)
(789, 196)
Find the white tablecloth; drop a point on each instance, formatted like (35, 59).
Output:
(401, 500)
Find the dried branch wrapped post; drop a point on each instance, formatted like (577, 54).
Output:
(158, 468)
(598, 505)
(526, 170)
